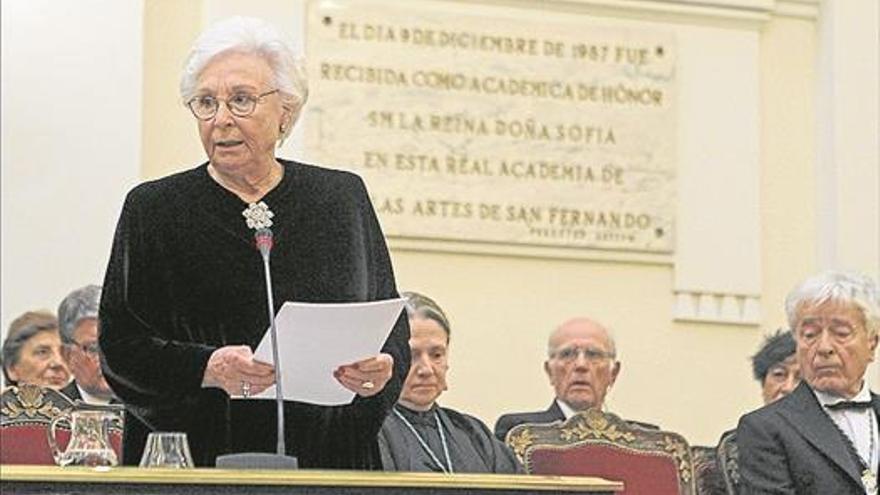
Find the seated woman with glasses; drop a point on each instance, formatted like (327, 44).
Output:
(419, 435)
(184, 300)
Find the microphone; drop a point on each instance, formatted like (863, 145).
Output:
(264, 241)
(259, 460)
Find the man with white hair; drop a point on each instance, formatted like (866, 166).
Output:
(581, 365)
(823, 437)
(78, 322)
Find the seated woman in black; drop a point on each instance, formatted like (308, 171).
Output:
(419, 435)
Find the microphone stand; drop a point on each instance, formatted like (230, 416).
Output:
(263, 460)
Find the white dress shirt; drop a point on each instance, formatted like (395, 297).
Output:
(567, 411)
(859, 425)
(91, 399)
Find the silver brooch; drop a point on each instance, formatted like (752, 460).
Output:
(258, 216)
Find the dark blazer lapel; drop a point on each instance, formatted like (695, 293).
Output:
(554, 412)
(71, 391)
(804, 413)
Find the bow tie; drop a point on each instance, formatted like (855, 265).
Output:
(849, 405)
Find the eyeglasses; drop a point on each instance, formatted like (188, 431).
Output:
(205, 107)
(570, 354)
(92, 349)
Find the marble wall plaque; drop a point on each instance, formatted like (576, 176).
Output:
(497, 125)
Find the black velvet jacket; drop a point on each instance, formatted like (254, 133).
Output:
(184, 279)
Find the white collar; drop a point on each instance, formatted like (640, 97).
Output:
(567, 410)
(92, 399)
(827, 399)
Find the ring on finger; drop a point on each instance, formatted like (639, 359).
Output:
(245, 389)
(368, 385)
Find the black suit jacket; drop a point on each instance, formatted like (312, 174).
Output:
(553, 413)
(71, 391)
(507, 421)
(792, 446)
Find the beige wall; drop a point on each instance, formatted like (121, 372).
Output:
(71, 147)
(788, 182)
(169, 132)
(848, 148)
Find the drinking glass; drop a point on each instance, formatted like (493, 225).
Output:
(167, 449)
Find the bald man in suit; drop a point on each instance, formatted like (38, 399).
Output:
(581, 365)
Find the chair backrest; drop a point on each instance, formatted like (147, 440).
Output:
(708, 479)
(25, 414)
(728, 459)
(593, 443)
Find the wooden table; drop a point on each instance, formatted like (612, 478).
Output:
(127, 480)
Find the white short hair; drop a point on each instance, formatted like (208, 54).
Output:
(839, 287)
(249, 35)
(612, 343)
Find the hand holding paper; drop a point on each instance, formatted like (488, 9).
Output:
(368, 376)
(320, 343)
(231, 367)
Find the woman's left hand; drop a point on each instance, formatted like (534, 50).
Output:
(366, 377)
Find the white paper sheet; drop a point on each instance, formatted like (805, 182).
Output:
(315, 339)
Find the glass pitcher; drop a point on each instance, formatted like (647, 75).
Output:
(89, 443)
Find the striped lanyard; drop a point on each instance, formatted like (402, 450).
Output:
(447, 469)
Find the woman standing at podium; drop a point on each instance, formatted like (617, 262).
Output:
(184, 299)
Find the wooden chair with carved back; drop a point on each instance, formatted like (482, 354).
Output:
(593, 443)
(728, 460)
(25, 414)
(708, 479)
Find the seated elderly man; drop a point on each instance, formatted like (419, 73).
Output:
(78, 319)
(32, 352)
(582, 366)
(419, 435)
(823, 437)
(775, 366)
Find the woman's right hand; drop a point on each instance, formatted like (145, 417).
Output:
(234, 369)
